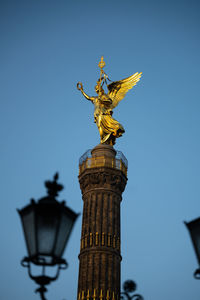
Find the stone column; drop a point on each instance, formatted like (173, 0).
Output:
(102, 179)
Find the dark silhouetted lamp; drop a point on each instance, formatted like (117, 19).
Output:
(129, 286)
(194, 230)
(47, 225)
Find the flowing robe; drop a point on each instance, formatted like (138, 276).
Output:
(109, 128)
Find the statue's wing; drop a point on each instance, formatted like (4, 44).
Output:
(118, 89)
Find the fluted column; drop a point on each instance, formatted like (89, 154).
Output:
(102, 180)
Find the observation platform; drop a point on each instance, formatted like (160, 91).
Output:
(103, 156)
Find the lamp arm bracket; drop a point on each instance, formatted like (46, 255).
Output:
(128, 297)
(137, 297)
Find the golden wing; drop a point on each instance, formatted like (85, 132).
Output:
(118, 89)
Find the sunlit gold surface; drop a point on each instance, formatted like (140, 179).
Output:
(108, 127)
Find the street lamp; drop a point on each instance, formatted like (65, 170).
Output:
(129, 286)
(194, 230)
(47, 225)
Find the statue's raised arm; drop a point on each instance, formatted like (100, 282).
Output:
(108, 127)
(80, 88)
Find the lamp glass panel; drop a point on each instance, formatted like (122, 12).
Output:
(66, 224)
(194, 228)
(28, 221)
(198, 246)
(47, 224)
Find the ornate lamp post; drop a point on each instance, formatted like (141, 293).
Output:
(47, 225)
(129, 287)
(194, 230)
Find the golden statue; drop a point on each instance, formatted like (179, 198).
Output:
(108, 127)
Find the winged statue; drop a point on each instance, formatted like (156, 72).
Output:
(108, 127)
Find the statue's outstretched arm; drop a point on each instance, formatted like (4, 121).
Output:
(80, 88)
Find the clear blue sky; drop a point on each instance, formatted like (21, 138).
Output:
(46, 48)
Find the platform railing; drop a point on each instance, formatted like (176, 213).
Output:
(87, 161)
